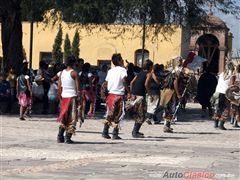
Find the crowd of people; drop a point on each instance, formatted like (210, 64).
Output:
(142, 92)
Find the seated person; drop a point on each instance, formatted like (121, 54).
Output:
(5, 89)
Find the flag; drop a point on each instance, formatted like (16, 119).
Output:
(193, 61)
(189, 59)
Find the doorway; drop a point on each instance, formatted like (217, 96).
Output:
(209, 49)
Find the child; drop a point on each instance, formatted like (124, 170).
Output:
(24, 93)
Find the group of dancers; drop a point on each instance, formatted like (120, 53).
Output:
(151, 90)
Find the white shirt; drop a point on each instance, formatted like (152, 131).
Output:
(59, 73)
(115, 78)
(68, 84)
(223, 84)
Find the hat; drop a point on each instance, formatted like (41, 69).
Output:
(25, 61)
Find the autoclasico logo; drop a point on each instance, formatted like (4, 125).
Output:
(189, 175)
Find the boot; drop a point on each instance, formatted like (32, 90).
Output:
(60, 137)
(232, 120)
(115, 134)
(135, 132)
(216, 123)
(156, 119)
(236, 124)
(68, 138)
(105, 133)
(210, 112)
(167, 127)
(221, 125)
(203, 115)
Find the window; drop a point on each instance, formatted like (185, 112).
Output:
(138, 57)
(102, 62)
(46, 56)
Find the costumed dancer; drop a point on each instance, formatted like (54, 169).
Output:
(68, 91)
(116, 80)
(139, 87)
(153, 82)
(222, 108)
(169, 97)
(206, 87)
(233, 95)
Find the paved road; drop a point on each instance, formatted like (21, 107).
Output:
(29, 151)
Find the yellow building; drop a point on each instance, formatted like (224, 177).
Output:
(98, 45)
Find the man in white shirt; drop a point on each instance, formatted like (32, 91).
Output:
(223, 106)
(116, 85)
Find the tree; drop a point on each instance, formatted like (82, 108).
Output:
(11, 32)
(75, 45)
(11, 13)
(167, 12)
(67, 48)
(57, 49)
(33, 11)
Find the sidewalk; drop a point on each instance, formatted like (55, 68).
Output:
(29, 150)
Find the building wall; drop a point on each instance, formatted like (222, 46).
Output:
(100, 44)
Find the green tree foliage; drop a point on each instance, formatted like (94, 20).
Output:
(75, 45)
(57, 49)
(34, 10)
(67, 48)
(183, 12)
(89, 11)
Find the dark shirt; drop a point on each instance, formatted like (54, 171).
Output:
(206, 87)
(138, 88)
(154, 87)
(4, 87)
(84, 81)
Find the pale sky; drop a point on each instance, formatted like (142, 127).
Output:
(234, 25)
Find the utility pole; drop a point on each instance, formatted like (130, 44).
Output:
(31, 44)
(143, 40)
(31, 38)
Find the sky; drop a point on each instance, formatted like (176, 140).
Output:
(234, 25)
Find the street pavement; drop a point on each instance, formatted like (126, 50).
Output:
(195, 150)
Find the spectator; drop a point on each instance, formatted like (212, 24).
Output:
(5, 95)
(12, 77)
(43, 71)
(102, 74)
